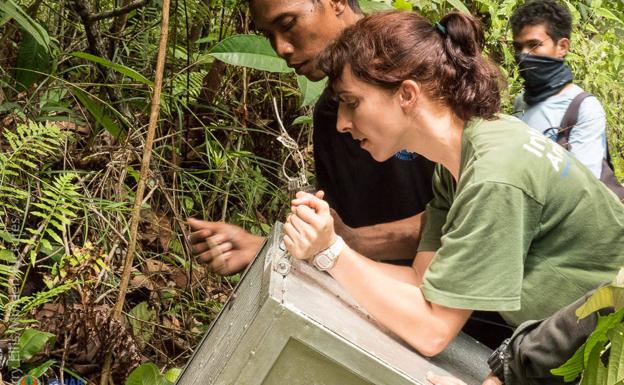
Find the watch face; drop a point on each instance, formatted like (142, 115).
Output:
(323, 261)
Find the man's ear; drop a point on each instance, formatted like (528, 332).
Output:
(563, 46)
(408, 93)
(338, 6)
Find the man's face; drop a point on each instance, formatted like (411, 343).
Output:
(534, 40)
(299, 29)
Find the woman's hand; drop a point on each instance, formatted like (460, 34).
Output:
(310, 228)
(446, 380)
(436, 379)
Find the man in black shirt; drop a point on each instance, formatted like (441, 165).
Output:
(378, 206)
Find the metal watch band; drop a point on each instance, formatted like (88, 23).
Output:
(326, 259)
(497, 360)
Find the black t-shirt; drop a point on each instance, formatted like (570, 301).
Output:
(363, 191)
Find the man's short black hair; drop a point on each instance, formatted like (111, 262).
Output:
(554, 15)
(353, 4)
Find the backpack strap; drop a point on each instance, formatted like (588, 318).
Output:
(570, 118)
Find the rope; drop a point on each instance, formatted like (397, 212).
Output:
(300, 181)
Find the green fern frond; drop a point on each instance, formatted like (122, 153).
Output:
(7, 270)
(56, 207)
(30, 145)
(25, 150)
(25, 304)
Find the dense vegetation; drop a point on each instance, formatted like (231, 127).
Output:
(76, 79)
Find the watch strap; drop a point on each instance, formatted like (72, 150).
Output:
(331, 253)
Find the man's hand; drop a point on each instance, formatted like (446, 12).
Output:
(349, 234)
(226, 249)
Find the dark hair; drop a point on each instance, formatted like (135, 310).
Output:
(554, 15)
(389, 47)
(353, 4)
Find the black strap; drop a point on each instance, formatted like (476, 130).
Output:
(570, 118)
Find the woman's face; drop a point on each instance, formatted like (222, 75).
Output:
(372, 115)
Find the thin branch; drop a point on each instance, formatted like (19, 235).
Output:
(119, 11)
(145, 165)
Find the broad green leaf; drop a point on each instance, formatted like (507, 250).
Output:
(302, 120)
(122, 69)
(310, 91)
(10, 10)
(147, 374)
(251, 51)
(459, 6)
(599, 336)
(172, 375)
(402, 5)
(370, 6)
(615, 368)
(141, 317)
(601, 299)
(97, 111)
(597, 340)
(33, 60)
(31, 342)
(607, 14)
(596, 372)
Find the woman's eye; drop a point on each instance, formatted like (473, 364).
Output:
(288, 24)
(350, 104)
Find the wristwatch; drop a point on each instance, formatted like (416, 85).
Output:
(498, 359)
(326, 259)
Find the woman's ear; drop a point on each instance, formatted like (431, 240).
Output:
(408, 93)
(338, 6)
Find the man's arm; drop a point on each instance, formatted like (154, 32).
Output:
(384, 241)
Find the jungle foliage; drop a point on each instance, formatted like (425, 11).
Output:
(75, 83)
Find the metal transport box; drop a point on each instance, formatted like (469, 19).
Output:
(294, 325)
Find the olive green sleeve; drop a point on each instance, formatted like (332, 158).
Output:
(480, 264)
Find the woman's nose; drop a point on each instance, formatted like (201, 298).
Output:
(343, 123)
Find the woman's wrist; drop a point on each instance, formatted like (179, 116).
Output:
(326, 259)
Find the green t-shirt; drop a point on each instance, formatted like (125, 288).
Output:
(526, 230)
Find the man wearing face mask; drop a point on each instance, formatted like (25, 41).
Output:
(541, 38)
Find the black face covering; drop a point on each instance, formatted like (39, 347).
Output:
(544, 76)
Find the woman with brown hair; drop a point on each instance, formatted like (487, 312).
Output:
(516, 225)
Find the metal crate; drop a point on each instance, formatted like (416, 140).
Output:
(302, 328)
